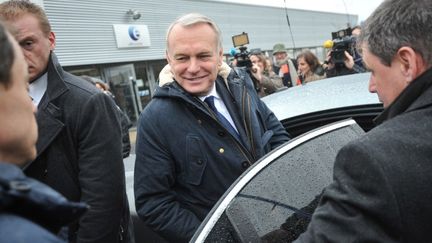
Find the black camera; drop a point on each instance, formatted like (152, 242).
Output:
(242, 57)
(342, 41)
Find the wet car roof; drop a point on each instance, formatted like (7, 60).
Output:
(325, 94)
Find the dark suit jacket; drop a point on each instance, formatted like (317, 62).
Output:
(79, 154)
(382, 189)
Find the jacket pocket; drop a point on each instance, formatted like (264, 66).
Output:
(196, 160)
(265, 138)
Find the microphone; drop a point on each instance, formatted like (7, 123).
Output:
(233, 52)
(328, 44)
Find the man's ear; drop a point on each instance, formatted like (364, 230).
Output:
(167, 57)
(52, 40)
(411, 63)
(220, 56)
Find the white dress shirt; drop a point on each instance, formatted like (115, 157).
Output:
(220, 105)
(37, 89)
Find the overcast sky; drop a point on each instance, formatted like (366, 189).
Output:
(362, 8)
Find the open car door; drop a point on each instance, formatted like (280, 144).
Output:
(281, 188)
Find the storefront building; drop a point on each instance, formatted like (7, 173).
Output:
(123, 42)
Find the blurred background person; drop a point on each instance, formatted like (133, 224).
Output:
(269, 81)
(104, 87)
(284, 66)
(309, 68)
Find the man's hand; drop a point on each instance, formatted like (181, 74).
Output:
(349, 61)
(257, 72)
(328, 62)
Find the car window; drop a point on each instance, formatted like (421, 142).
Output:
(287, 181)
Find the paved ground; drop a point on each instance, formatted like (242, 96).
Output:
(129, 163)
(132, 137)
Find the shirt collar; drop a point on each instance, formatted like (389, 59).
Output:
(211, 93)
(37, 89)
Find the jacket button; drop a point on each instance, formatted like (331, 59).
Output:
(221, 150)
(245, 164)
(20, 186)
(221, 133)
(200, 162)
(199, 121)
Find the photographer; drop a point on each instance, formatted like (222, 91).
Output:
(343, 59)
(268, 81)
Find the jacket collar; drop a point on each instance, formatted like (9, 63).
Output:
(49, 115)
(416, 95)
(56, 84)
(166, 76)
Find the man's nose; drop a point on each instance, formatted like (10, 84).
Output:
(194, 66)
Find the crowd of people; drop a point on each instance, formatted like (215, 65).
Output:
(288, 72)
(61, 170)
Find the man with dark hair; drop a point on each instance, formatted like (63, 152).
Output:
(29, 210)
(79, 146)
(382, 181)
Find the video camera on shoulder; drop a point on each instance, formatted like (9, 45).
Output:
(342, 41)
(242, 57)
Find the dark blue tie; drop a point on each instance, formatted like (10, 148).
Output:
(210, 102)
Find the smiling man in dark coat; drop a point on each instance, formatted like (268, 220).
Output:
(382, 189)
(79, 145)
(187, 155)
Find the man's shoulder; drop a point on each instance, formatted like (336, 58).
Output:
(77, 84)
(75, 89)
(385, 139)
(14, 228)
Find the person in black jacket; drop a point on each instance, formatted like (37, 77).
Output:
(79, 149)
(382, 181)
(124, 119)
(29, 210)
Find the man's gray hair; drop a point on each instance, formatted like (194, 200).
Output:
(192, 19)
(398, 23)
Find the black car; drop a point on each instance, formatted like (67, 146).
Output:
(282, 189)
(285, 184)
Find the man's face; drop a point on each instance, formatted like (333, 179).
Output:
(280, 56)
(18, 127)
(35, 45)
(387, 82)
(356, 32)
(194, 57)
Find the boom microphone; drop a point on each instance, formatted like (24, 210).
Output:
(328, 44)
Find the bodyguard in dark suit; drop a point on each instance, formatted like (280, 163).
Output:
(79, 145)
(29, 210)
(382, 189)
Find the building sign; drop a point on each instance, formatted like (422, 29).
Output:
(131, 36)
